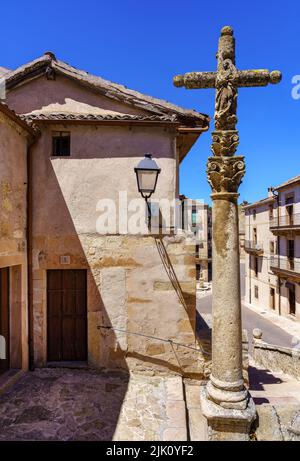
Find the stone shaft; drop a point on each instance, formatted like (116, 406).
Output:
(226, 383)
(226, 403)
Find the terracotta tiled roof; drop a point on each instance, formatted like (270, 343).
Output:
(105, 87)
(289, 182)
(28, 126)
(260, 202)
(3, 71)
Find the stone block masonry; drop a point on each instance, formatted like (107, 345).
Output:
(136, 285)
(277, 358)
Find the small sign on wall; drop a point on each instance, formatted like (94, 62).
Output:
(65, 259)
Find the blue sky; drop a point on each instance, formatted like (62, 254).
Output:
(142, 44)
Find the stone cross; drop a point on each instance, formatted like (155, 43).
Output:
(226, 403)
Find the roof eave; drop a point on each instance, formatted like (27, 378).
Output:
(290, 184)
(260, 202)
(187, 137)
(30, 128)
(36, 68)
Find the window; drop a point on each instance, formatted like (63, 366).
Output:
(61, 143)
(256, 291)
(272, 247)
(289, 199)
(256, 266)
(290, 213)
(254, 214)
(271, 214)
(194, 218)
(290, 248)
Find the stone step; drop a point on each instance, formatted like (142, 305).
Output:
(197, 426)
(153, 409)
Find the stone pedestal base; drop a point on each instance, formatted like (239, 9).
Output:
(226, 424)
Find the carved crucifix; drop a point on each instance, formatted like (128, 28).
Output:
(226, 80)
(226, 403)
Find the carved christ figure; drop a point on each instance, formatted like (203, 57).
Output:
(226, 96)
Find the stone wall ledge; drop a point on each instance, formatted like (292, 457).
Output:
(277, 358)
(280, 349)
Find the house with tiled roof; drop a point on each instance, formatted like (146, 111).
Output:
(16, 136)
(91, 289)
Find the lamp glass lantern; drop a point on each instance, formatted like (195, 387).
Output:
(147, 172)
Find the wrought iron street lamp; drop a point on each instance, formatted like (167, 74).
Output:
(147, 172)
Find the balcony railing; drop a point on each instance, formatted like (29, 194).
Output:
(292, 220)
(285, 264)
(253, 246)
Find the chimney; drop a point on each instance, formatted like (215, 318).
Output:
(270, 191)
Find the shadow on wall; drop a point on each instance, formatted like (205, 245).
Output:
(54, 235)
(188, 301)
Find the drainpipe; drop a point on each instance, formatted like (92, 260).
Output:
(29, 259)
(276, 195)
(279, 293)
(31, 140)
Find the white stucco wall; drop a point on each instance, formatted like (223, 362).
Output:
(266, 279)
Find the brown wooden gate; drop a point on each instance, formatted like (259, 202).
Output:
(67, 315)
(292, 299)
(4, 315)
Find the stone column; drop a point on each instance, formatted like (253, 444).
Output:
(226, 403)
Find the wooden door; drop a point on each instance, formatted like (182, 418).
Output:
(67, 315)
(4, 316)
(254, 235)
(291, 253)
(292, 301)
(272, 298)
(290, 214)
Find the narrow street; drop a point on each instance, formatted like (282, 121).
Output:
(271, 333)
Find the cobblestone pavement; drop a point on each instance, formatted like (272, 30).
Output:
(81, 404)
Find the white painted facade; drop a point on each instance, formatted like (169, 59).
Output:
(272, 245)
(197, 219)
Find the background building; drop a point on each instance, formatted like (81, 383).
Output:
(16, 136)
(203, 227)
(273, 250)
(242, 229)
(196, 217)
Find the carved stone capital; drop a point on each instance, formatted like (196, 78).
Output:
(224, 143)
(225, 174)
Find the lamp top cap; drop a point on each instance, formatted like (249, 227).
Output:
(148, 163)
(226, 30)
